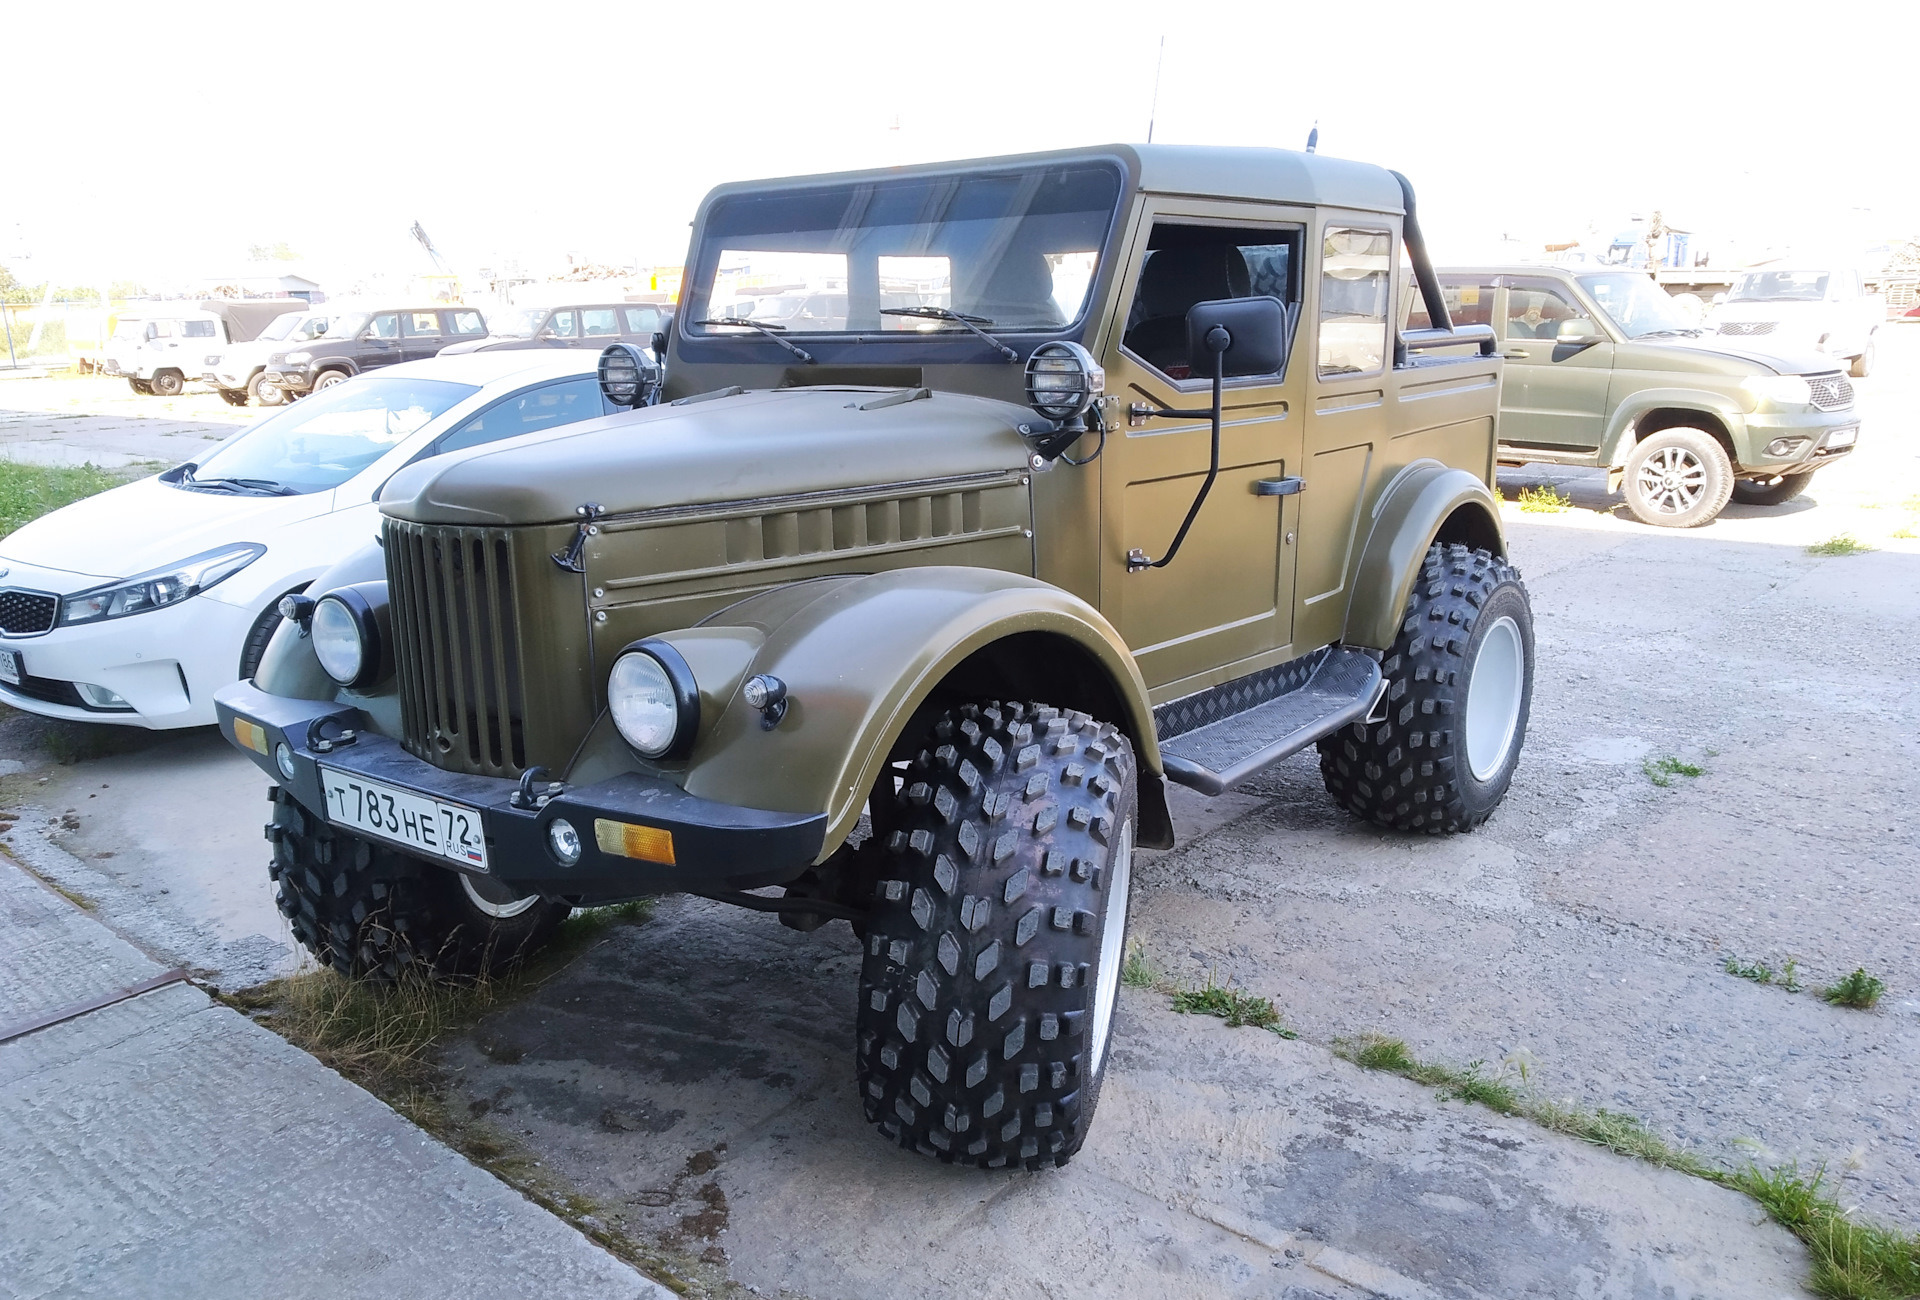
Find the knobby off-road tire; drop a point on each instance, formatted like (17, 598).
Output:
(994, 947)
(1677, 478)
(370, 911)
(1459, 688)
(1752, 492)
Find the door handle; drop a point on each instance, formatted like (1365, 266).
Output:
(1279, 487)
(1516, 356)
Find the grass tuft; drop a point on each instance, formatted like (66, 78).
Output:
(1858, 990)
(1661, 771)
(1238, 1009)
(1544, 500)
(1839, 544)
(1138, 971)
(1760, 973)
(29, 491)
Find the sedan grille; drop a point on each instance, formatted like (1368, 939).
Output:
(1831, 392)
(457, 647)
(1748, 328)
(27, 613)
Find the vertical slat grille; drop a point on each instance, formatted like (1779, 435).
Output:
(456, 633)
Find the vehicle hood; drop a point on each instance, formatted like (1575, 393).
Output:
(147, 525)
(1784, 361)
(744, 446)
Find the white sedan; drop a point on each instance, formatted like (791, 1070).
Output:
(134, 606)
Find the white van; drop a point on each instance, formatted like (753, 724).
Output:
(236, 371)
(156, 346)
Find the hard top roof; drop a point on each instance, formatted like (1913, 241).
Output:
(1213, 171)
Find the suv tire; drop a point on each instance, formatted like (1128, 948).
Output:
(264, 393)
(328, 378)
(994, 947)
(141, 387)
(1677, 478)
(373, 912)
(166, 383)
(1771, 492)
(1459, 689)
(233, 396)
(1862, 365)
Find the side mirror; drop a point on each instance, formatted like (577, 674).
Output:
(1248, 335)
(1578, 331)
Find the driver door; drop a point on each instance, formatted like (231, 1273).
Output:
(1555, 394)
(1224, 606)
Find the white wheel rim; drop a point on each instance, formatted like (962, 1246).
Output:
(498, 911)
(1493, 697)
(1113, 936)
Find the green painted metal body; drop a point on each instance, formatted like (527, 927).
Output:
(881, 549)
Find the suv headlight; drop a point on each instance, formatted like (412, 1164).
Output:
(653, 699)
(1781, 390)
(297, 358)
(158, 588)
(347, 627)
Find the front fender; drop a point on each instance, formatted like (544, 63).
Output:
(1424, 499)
(859, 655)
(1619, 438)
(290, 668)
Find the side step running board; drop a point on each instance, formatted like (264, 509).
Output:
(1342, 688)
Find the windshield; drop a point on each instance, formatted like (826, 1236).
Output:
(1780, 286)
(327, 438)
(130, 330)
(1636, 304)
(516, 323)
(280, 326)
(1013, 250)
(347, 326)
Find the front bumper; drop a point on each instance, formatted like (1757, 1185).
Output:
(1810, 434)
(715, 846)
(292, 379)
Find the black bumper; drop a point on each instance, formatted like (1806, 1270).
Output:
(716, 846)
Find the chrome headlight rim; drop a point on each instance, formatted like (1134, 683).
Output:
(628, 377)
(1044, 360)
(364, 617)
(686, 699)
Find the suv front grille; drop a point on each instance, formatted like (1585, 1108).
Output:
(27, 613)
(1748, 328)
(1831, 392)
(457, 647)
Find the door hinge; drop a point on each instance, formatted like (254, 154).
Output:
(571, 559)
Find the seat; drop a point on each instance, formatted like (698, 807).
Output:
(1019, 293)
(1173, 280)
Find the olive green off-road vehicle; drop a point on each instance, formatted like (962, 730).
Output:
(1098, 470)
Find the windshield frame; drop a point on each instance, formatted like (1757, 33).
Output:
(1679, 326)
(889, 342)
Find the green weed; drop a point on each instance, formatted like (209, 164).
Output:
(29, 491)
(1757, 971)
(1238, 1009)
(1544, 500)
(1858, 990)
(1138, 971)
(1661, 771)
(1839, 544)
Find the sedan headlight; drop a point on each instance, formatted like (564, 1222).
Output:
(347, 627)
(653, 699)
(159, 588)
(297, 358)
(1781, 390)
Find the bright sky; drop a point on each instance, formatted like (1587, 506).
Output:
(157, 141)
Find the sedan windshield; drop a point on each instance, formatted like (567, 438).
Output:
(1780, 286)
(323, 440)
(1011, 250)
(1636, 304)
(518, 323)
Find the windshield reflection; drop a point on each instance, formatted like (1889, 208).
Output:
(1638, 306)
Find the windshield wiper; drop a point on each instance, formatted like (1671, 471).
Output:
(941, 313)
(1661, 334)
(769, 330)
(262, 486)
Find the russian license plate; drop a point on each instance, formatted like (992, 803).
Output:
(448, 830)
(10, 668)
(1842, 437)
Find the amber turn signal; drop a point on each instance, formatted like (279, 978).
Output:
(627, 840)
(251, 735)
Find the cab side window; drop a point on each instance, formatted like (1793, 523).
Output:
(642, 320)
(384, 327)
(469, 324)
(1356, 282)
(547, 407)
(1193, 264)
(599, 322)
(562, 325)
(196, 329)
(422, 324)
(1468, 303)
(1535, 309)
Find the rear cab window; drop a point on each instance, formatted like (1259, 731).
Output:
(641, 320)
(599, 322)
(468, 324)
(1356, 284)
(421, 324)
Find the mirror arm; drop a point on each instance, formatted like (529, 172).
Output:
(1137, 559)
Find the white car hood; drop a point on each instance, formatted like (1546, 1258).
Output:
(148, 525)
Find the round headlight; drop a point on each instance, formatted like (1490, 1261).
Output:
(1063, 380)
(337, 640)
(628, 377)
(653, 700)
(563, 841)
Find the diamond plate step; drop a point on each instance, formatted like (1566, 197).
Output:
(1339, 688)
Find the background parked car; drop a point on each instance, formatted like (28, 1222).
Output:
(134, 606)
(238, 371)
(361, 339)
(157, 346)
(578, 326)
(1804, 311)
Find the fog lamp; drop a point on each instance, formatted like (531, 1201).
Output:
(283, 759)
(1785, 446)
(1063, 380)
(564, 841)
(100, 697)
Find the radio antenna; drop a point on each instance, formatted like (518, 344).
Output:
(1154, 111)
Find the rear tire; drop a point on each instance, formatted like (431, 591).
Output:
(234, 396)
(167, 383)
(1771, 492)
(1677, 478)
(264, 393)
(373, 912)
(994, 947)
(1459, 690)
